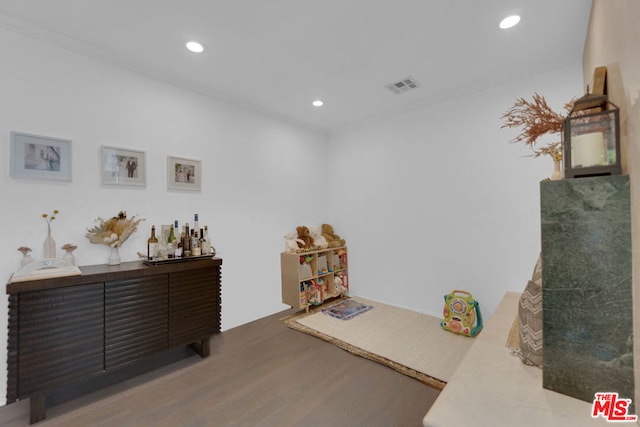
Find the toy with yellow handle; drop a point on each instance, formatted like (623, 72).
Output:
(461, 314)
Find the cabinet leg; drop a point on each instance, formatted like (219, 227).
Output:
(38, 406)
(203, 347)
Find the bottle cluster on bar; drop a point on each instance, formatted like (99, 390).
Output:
(188, 242)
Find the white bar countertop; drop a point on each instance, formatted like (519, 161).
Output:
(493, 387)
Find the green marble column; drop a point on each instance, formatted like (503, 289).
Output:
(586, 286)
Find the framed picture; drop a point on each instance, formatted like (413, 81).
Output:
(40, 157)
(122, 166)
(184, 174)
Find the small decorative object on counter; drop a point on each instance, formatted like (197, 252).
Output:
(26, 256)
(461, 314)
(49, 247)
(113, 232)
(68, 256)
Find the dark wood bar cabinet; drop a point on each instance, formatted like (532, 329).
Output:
(66, 329)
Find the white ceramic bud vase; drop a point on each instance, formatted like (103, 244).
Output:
(114, 256)
(557, 170)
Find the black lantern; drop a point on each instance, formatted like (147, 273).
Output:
(591, 138)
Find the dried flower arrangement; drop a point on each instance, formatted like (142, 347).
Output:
(69, 247)
(113, 232)
(537, 119)
(25, 250)
(50, 218)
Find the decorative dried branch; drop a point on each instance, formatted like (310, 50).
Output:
(536, 118)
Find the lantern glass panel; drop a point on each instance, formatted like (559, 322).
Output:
(593, 139)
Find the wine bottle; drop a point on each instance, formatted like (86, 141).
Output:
(172, 237)
(152, 244)
(186, 250)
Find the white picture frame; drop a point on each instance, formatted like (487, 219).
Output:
(123, 166)
(184, 174)
(40, 157)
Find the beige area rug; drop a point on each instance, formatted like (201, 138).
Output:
(410, 342)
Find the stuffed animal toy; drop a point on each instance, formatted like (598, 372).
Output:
(318, 238)
(334, 240)
(303, 234)
(291, 243)
(338, 285)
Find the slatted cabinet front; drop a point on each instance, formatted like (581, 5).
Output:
(61, 336)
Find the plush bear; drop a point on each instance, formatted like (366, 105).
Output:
(318, 238)
(334, 240)
(338, 284)
(291, 243)
(303, 234)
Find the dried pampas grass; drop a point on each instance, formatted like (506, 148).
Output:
(113, 232)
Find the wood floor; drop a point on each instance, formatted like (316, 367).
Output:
(259, 374)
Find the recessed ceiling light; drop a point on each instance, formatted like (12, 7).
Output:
(195, 47)
(318, 103)
(509, 21)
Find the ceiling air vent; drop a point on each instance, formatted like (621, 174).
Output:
(403, 85)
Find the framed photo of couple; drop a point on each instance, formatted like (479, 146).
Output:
(123, 166)
(184, 174)
(40, 157)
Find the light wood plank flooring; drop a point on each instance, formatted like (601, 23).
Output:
(259, 374)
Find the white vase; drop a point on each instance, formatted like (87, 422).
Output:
(114, 256)
(26, 259)
(69, 258)
(49, 244)
(557, 170)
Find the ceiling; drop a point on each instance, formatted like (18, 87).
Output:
(275, 57)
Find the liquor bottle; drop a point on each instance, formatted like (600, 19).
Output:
(180, 246)
(171, 241)
(195, 222)
(186, 250)
(202, 243)
(172, 237)
(152, 244)
(205, 241)
(196, 250)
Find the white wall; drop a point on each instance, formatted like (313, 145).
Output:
(436, 199)
(612, 41)
(251, 170)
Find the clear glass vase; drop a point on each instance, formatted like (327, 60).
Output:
(49, 248)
